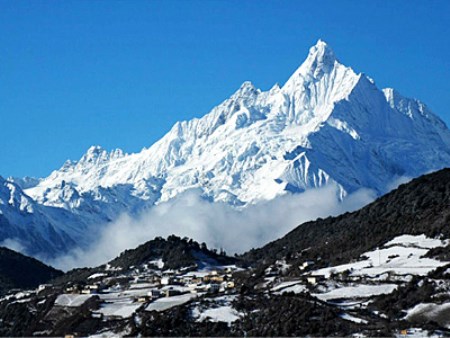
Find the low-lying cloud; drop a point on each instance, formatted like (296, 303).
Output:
(13, 244)
(396, 182)
(217, 224)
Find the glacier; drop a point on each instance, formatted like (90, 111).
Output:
(326, 125)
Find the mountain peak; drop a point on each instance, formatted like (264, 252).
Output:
(321, 48)
(96, 153)
(321, 59)
(95, 150)
(93, 154)
(247, 89)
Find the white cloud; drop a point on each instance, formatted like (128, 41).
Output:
(396, 182)
(13, 244)
(217, 224)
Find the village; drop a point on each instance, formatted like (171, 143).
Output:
(147, 287)
(353, 285)
(119, 294)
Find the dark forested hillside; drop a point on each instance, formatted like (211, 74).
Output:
(419, 207)
(175, 252)
(19, 271)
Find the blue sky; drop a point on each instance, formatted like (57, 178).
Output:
(120, 73)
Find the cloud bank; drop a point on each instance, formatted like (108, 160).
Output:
(217, 224)
(13, 244)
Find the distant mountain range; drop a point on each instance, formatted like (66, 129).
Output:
(326, 125)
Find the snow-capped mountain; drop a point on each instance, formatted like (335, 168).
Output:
(326, 124)
(36, 229)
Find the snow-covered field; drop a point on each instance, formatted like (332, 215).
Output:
(219, 314)
(140, 286)
(401, 256)
(163, 304)
(291, 286)
(420, 241)
(122, 310)
(71, 300)
(377, 271)
(298, 288)
(218, 309)
(356, 291)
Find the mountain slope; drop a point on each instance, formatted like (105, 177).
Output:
(36, 229)
(419, 207)
(326, 124)
(174, 252)
(171, 253)
(19, 271)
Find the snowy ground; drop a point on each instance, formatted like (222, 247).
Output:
(283, 285)
(157, 262)
(219, 314)
(142, 286)
(218, 309)
(356, 292)
(291, 286)
(298, 288)
(97, 275)
(354, 319)
(122, 310)
(401, 256)
(163, 304)
(420, 241)
(71, 300)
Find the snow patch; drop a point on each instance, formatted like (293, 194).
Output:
(163, 304)
(357, 291)
(72, 300)
(118, 310)
(354, 319)
(401, 256)
(219, 314)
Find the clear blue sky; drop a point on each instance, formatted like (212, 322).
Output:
(121, 73)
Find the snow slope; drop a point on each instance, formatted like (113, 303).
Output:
(36, 229)
(72, 300)
(356, 291)
(326, 124)
(402, 256)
